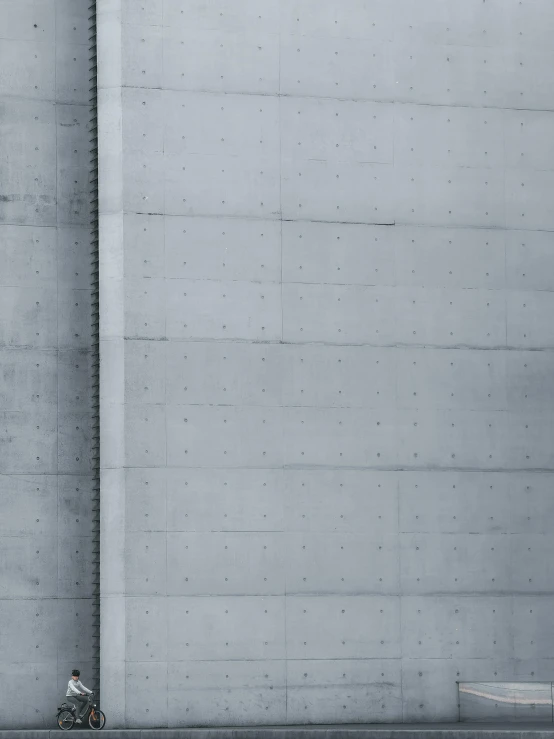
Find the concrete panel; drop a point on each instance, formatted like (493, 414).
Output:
(528, 381)
(227, 627)
(146, 563)
(28, 255)
(452, 75)
(27, 158)
(147, 15)
(473, 24)
(456, 627)
(348, 376)
(526, 199)
(145, 435)
(225, 16)
(14, 682)
(365, 20)
(145, 305)
(340, 437)
(441, 257)
(35, 371)
(28, 69)
(528, 260)
(341, 563)
(225, 500)
(145, 706)
(25, 21)
(216, 60)
(38, 515)
(530, 85)
(74, 257)
(223, 373)
(347, 68)
(230, 692)
(244, 436)
(38, 308)
(145, 499)
(341, 501)
(144, 246)
(533, 554)
(532, 637)
(74, 566)
(475, 318)
(224, 249)
(142, 56)
(28, 566)
(231, 125)
(143, 126)
(199, 184)
(75, 331)
(528, 139)
(146, 629)
(75, 368)
(343, 627)
(72, 66)
(322, 190)
(144, 190)
(454, 563)
(338, 253)
(331, 313)
(474, 440)
(199, 309)
(75, 441)
(75, 504)
(29, 441)
(460, 502)
(340, 131)
(450, 197)
(527, 323)
(462, 137)
(348, 691)
(72, 23)
(451, 379)
(145, 379)
(225, 564)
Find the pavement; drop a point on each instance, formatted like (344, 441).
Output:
(356, 731)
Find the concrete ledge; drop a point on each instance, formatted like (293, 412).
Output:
(359, 731)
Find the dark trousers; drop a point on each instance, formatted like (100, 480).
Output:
(80, 702)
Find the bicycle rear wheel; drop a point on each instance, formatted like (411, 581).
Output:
(96, 720)
(65, 720)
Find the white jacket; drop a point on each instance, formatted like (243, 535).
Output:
(76, 687)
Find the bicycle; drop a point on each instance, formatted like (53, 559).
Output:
(67, 716)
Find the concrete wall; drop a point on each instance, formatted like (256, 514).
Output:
(45, 379)
(327, 405)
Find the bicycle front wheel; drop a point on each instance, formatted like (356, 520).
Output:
(96, 720)
(65, 720)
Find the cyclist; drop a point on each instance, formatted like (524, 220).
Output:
(77, 693)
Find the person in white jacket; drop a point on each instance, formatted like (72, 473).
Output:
(77, 692)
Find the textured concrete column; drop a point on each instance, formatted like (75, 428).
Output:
(112, 449)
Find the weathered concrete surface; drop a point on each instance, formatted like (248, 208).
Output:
(327, 357)
(45, 322)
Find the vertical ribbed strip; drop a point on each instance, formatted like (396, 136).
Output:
(93, 135)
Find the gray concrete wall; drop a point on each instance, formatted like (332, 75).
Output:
(45, 379)
(327, 358)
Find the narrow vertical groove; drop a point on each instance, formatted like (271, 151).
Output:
(95, 353)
